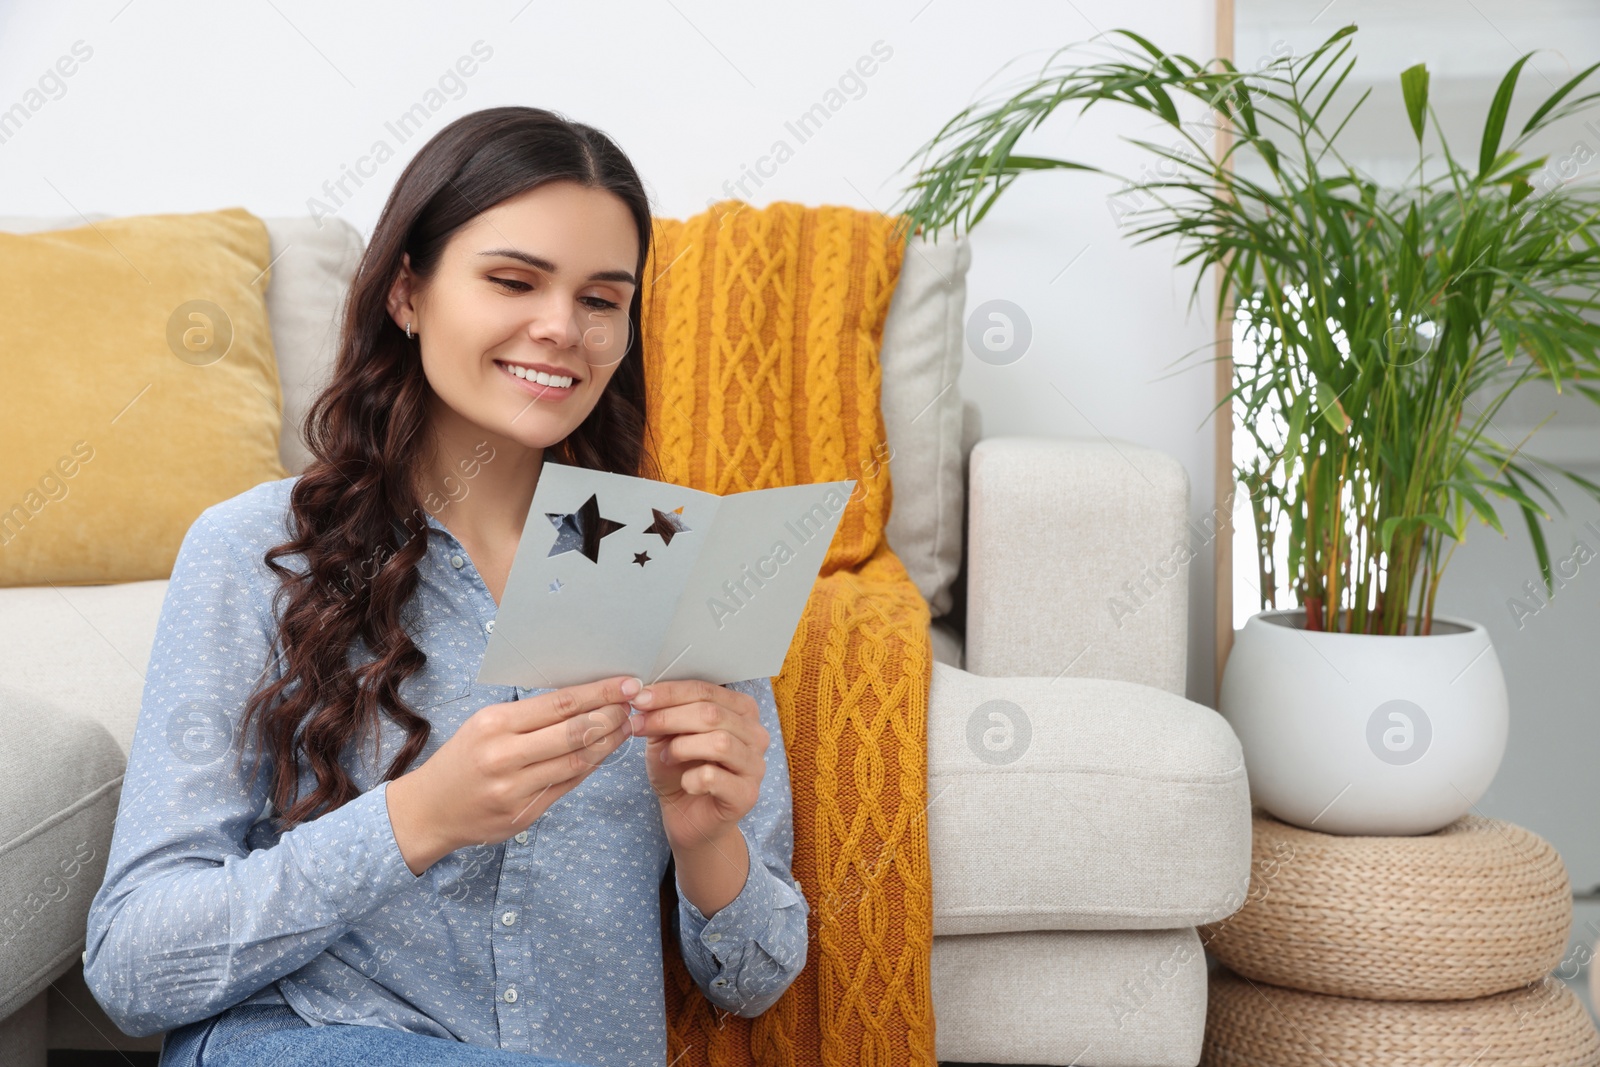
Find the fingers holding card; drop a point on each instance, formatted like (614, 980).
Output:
(705, 755)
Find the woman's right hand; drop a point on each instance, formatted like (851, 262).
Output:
(504, 767)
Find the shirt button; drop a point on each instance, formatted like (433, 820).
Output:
(713, 938)
(508, 918)
(457, 562)
(522, 838)
(510, 995)
(489, 626)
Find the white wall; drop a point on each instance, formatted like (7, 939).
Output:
(187, 107)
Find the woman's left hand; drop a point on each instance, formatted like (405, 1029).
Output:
(706, 753)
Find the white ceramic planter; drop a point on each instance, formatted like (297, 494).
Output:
(1362, 734)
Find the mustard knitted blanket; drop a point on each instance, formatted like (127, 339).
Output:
(762, 333)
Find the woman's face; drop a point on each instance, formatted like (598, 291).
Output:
(539, 282)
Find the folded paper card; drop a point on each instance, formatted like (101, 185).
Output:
(622, 575)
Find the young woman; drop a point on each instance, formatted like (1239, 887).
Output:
(416, 868)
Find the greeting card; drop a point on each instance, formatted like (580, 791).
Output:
(622, 575)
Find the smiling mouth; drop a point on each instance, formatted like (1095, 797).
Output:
(540, 380)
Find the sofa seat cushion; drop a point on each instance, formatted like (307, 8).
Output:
(1085, 997)
(1080, 804)
(60, 779)
(83, 647)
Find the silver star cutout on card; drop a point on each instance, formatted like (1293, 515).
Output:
(667, 523)
(581, 530)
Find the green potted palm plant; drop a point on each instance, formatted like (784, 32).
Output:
(1378, 331)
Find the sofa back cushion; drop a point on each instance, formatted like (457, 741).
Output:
(923, 414)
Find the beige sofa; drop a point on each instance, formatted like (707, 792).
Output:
(1083, 816)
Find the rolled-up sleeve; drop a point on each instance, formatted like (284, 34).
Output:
(752, 949)
(190, 920)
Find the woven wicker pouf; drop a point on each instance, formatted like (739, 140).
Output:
(1477, 908)
(1259, 1025)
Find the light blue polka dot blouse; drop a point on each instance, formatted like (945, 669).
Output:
(547, 943)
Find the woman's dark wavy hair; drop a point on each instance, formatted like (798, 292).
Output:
(356, 511)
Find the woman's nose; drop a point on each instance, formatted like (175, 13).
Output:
(556, 323)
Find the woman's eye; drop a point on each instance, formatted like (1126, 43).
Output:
(594, 302)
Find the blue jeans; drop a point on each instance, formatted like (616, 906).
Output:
(272, 1035)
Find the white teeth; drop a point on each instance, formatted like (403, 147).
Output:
(559, 381)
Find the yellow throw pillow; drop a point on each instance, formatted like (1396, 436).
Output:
(141, 387)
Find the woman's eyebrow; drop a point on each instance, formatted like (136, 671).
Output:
(550, 268)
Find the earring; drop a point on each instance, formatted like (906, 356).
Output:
(408, 329)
